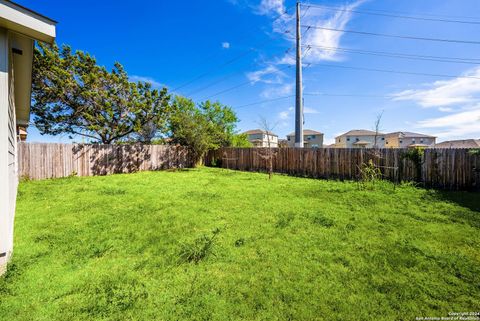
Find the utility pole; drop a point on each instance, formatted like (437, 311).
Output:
(299, 89)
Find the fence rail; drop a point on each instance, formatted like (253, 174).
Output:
(455, 169)
(40, 161)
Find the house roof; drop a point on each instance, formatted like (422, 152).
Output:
(26, 22)
(259, 131)
(31, 11)
(307, 132)
(409, 135)
(465, 143)
(360, 132)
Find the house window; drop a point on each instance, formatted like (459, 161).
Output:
(288, 138)
(313, 136)
(421, 141)
(308, 137)
(386, 143)
(401, 142)
(383, 138)
(348, 139)
(357, 139)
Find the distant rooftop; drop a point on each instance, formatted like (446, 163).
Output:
(409, 135)
(360, 132)
(307, 132)
(462, 143)
(259, 131)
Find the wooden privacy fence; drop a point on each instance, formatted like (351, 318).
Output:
(457, 169)
(40, 161)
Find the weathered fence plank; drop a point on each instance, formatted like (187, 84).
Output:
(455, 169)
(40, 161)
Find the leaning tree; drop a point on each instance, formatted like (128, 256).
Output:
(72, 95)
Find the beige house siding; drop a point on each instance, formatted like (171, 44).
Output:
(393, 141)
(262, 140)
(397, 142)
(313, 140)
(348, 141)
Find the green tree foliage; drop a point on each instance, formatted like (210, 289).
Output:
(203, 127)
(71, 94)
(241, 140)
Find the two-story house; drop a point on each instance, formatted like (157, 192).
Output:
(262, 138)
(311, 139)
(360, 138)
(408, 139)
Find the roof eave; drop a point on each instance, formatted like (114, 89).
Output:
(19, 19)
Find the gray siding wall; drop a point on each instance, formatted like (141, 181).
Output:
(8, 151)
(4, 154)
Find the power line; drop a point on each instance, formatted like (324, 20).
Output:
(248, 82)
(243, 84)
(472, 61)
(395, 36)
(350, 95)
(390, 15)
(240, 56)
(224, 78)
(396, 71)
(423, 14)
(264, 101)
(214, 83)
(221, 66)
(318, 94)
(312, 94)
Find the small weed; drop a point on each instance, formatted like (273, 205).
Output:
(104, 296)
(350, 227)
(199, 250)
(369, 174)
(474, 151)
(25, 179)
(112, 191)
(240, 242)
(323, 221)
(284, 220)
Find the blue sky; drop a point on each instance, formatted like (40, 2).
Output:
(241, 43)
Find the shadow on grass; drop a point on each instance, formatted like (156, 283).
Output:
(468, 200)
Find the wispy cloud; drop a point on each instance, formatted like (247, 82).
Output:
(445, 92)
(285, 114)
(288, 113)
(226, 45)
(153, 82)
(459, 125)
(271, 6)
(323, 18)
(277, 91)
(308, 110)
(269, 75)
(315, 37)
(460, 97)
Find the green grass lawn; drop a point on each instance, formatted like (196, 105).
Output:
(213, 244)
